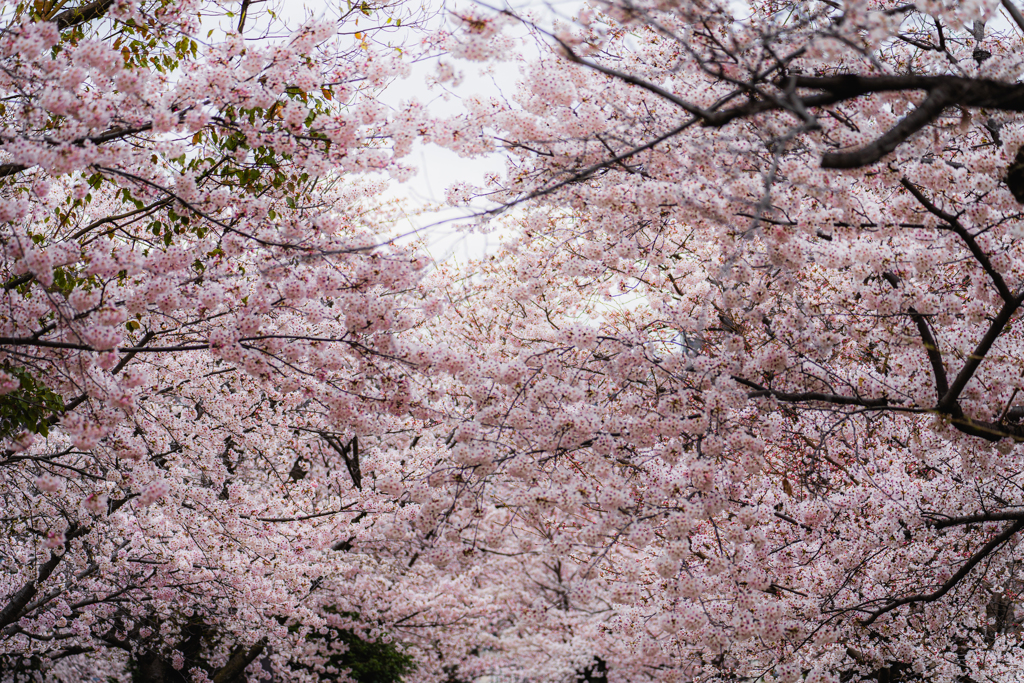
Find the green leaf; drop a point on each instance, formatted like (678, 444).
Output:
(29, 407)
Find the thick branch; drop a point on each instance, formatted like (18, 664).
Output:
(947, 404)
(239, 660)
(350, 454)
(931, 346)
(979, 518)
(31, 341)
(242, 14)
(809, 396)
(79, 15)
(115, 134)
(942, 91)
(924, 114)
(956, 226)
(974, 560)
(968, 92)
(990, 431)
(146, 338)
(16, 605)
(18, 281)
(11, 169)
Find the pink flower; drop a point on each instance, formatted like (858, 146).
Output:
(154, 492)
(8, 383)
(54, 540)
(103, 337)
(49, 483)
(95, 503)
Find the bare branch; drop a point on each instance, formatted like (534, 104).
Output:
(931, 346)
(11, 169)
(240, 659)
(809, 396)
(947, 403)
(1014, 13)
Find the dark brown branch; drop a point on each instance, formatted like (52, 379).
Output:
(127, 214)
(957, 227)
(18, 281)
(242, 14)
(942, 91)
(161, 349)
(30, 341)
(350, 454)
(68, 407)
(925, 113)
(239, 660)
(971, 563)
(931, 345)
(979, 518)
(17, 603)
(301, 518)
(947, 404)
(786, 518)
(969, 92)
(115, 134)
(11, 169)
(146, 338)
(809, 396)
(79, 15)
(990, 431)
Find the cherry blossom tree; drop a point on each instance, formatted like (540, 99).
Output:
(745, 402)
(738, 400)
(200, 303)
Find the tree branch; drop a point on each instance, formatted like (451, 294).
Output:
(808, 396)
(978, 518)
(79, 15)
(16, 605)
(931, 346)
(238, 662)
(146, 338)
(956, 226)
(947, 404)
(924, 114)
(11, 169)
(974, 560)
(1014, 13)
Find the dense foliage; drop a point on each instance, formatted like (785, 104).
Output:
(750, 398)
(195, 310)
(738, 399)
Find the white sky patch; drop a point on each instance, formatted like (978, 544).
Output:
(455, 232)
